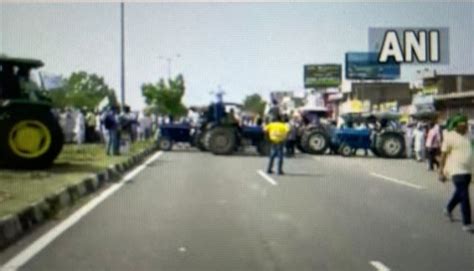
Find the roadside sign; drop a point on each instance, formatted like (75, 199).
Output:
(365, 66)
(322, 76)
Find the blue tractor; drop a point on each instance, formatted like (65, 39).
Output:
(218, 131)
(382, 135)
(224, 135)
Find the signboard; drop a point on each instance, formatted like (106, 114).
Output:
(322, 76)
(423, 103)
(365, 66)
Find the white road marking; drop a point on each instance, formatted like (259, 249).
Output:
(379, 266)
(401, 182)
(266, 177)
(28, 253)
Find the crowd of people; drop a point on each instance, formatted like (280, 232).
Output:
(113, 127)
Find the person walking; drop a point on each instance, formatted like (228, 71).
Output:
(277, 132)
(456, 160)
(419, 142)
(433, 145)
(111, 124)
(80, 128)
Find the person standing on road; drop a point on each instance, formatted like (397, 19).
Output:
(419, 138)
(456, 161)
(433, 145)
(277, 132)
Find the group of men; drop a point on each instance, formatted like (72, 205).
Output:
(107, 126)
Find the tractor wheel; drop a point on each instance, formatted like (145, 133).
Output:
(300, 147)
(165, 144)
(315, 141)
(345, 150)
(222, 140)
(390, 145)
(264, 148)
(198, 141)
(30, 140)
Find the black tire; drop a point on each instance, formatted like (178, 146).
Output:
(199, 141)
(35, 119)
(315, 141)
(264, 147)
(390, 145)
(165, 144)
(345, 150)
(222, 140)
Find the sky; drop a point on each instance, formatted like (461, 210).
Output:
(243, 47)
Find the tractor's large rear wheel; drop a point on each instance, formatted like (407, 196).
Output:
(315, 141)
(391, 145)
(222, 140)
(30, 140)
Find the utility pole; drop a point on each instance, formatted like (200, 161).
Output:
(122, 54)
(168, 61)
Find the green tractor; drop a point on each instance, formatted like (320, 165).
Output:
(31, 137)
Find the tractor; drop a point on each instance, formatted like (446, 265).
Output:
(31, 136)
(223, 135)
(383, 135)
(216, 132)
(314, 135)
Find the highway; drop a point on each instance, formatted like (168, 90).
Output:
(188, 210)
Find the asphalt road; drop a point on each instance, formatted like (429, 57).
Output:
(196, 211)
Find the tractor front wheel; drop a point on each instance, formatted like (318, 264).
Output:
(165, 144)
(30, 140)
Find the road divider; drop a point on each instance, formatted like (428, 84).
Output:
(37, 246)
(266, 177)
(397, 181)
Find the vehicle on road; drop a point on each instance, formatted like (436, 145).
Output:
(217, 131)
(224, 134)
(170, 134)
(383, 135)
(314, 135)
(31, 136)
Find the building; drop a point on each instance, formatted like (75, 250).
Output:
(453, 93)
(382, 93)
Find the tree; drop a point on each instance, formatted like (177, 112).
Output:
(165, 97)
(255, 104)
(82, 90)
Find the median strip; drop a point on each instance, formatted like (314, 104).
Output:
(28, 253)
(400, 182)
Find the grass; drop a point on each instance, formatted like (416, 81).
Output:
(19, 189)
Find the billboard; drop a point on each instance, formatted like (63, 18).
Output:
(365, 66)
(322, 76)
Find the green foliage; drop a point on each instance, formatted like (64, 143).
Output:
(82, 90)
(165, 97)
(255, 104)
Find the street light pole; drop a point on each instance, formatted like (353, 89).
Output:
(122, 54)
(168, 61)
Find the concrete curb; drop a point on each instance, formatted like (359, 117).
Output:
(13, 227)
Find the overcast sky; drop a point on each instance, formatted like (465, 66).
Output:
(244, 47)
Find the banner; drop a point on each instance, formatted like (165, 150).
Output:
(322, 76)
(365, 66)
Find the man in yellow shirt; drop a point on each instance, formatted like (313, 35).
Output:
(277, 132)
(456, 162)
